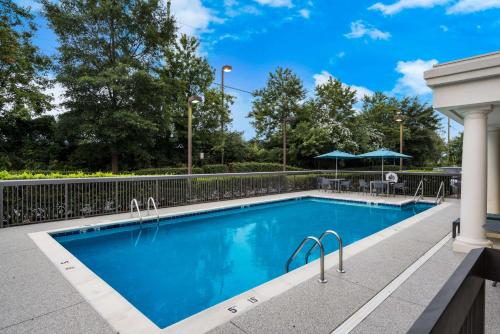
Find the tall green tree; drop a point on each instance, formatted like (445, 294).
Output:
(420, 126)
(278, 102)
(23, 82)
(276, 107)
(110, 54)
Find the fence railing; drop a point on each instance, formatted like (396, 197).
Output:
(459, 307)
(36, 201)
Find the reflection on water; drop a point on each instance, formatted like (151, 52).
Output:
(172, 271)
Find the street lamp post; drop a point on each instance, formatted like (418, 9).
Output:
(225, 68)
(191, 100)
(285, 120)
(399, 119)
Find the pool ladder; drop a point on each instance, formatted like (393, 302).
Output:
(318, 243)
(151, 200)
(135, 204)
(439, 197)
(421, 189)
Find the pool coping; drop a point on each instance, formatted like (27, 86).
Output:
(125, 318)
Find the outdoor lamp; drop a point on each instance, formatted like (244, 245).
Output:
(194, 99)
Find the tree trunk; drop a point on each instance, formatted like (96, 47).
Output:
(114, 163)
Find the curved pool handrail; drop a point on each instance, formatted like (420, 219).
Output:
(136, 204)
(321, 258)
(340, 269)
(152, 200)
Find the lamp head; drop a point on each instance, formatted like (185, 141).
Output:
(227, 68)
(195, 99)
(399, 117)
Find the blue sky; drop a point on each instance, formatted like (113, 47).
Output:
(372, 46)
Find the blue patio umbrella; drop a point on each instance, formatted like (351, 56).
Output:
(336, 155)
(383, 153)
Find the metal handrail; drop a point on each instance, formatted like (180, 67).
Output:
(438, 198)
(321, 257)
(132, 203)
(420, 185)
(152, 200)
(340, 269)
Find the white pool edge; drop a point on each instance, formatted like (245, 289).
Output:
(125, 318)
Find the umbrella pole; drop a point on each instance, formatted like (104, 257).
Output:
(335, 167)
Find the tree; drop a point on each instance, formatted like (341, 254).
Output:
(455, 150)
(420, 137)
(110, 55)
(276, 106)
(278, 101)
(24, 133)
(185, 73)
(335, 101)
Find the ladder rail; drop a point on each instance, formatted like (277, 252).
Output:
(152, 200)
(136, 204)
(421, 188)
(321, 259)
(440, 198)
(340, 268)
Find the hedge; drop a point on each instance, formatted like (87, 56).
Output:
(247, 167)
(243, 167)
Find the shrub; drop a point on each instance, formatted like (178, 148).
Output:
(248, 167)
(212, 169)
(167, 171)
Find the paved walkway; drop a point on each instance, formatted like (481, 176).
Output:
(36, 298)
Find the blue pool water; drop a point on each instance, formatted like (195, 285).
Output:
(190, 263)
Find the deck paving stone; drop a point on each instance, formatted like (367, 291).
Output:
(492, 309)
(394, 316)
(31, 285)
(311, 307)
(227, 328)
(426, 282)
(80, 318)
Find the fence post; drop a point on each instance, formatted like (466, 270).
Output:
(116, 196)
(1, 207)
(66, 202)
(157, 193)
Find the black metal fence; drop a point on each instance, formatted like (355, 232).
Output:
(459, 307)
(36, 201)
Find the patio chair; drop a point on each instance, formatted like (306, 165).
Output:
(455, 186)
(401, 187)
(324, 184)
(363, 186)
(345, 185)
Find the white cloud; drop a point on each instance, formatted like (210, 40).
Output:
(192, 17)
(412, 81)
(324, 76)
(359, 29)
(400, 5)
(471, 6)
(276, 3)
(57, 92)
(305, 13)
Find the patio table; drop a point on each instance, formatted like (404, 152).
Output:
(387, 184)
(336, 182)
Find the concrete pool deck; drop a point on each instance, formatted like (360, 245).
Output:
(36, 298)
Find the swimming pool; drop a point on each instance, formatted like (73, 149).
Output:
(172, 270)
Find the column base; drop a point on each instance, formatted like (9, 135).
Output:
(465, 245)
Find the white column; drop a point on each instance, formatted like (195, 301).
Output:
(474, 169)
(494, 171)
